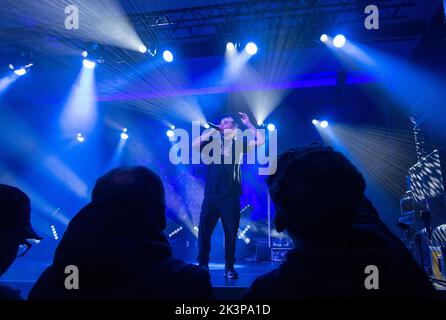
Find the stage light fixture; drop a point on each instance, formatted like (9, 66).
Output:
(167, 56)
(80, 138)
(20, 72)
(89, 64)
(324, 38)
(53, 229)
(172, 127)
(170, 133)
(339, 41)
(152, 52)
(324, 124)
(142, 48)
(206, 126)
(251, 48)
(230, 46)
(85, 53)
(124, 134)
(271, 127)
(259, 123)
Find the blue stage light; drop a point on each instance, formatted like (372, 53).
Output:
(124, 134)
(251, 48)
(230, 46)
(206, 126)
(324, 124)
(167, 56)
(172, 127)
(315, 122)
(20, 72)
(324, 38)
(142, 48)
(80, 138)
(85, 53)
(89, 64)
(271, 127)
(339, 41)
(170, 133)
(53, 229)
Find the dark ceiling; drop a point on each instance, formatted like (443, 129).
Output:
(23, 24)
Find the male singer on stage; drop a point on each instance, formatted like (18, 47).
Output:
(223, 188)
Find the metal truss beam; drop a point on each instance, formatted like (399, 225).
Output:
(254, 16)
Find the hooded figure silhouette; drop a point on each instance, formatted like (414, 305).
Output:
(118, 246)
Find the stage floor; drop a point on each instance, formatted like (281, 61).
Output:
(22, 275)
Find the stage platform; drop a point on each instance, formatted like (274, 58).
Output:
(233, 289)
(23, 275)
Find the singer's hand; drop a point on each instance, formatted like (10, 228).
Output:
(244, 118)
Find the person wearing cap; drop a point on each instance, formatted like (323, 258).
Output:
(15, 231)
(117, 244)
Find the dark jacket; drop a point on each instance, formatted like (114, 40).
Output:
(340, 273)
(8, 293)
(119, 258)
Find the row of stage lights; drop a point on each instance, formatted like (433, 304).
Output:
(250, 48)
(20, 71)
(177, 230)
(89, 63)
(167, 54)
(338, 41)
(170, 133)
(322, 124)
(53, 230)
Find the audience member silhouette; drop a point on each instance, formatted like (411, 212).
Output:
(15, 229)
(319, 199)
(118, 248)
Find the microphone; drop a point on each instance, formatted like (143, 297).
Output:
(214, 126)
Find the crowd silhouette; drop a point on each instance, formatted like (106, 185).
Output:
(117, 240)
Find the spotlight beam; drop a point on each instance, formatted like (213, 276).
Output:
(6, 82)
(79, 114)
(104, 22)
(384, 156)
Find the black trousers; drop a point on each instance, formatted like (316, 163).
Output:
(214, 207)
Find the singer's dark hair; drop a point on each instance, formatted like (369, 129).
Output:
(234, 119)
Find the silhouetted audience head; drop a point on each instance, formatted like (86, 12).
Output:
(136, 190)
(118, 245)
(319, 199)
(317, 194)
(15, 224)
